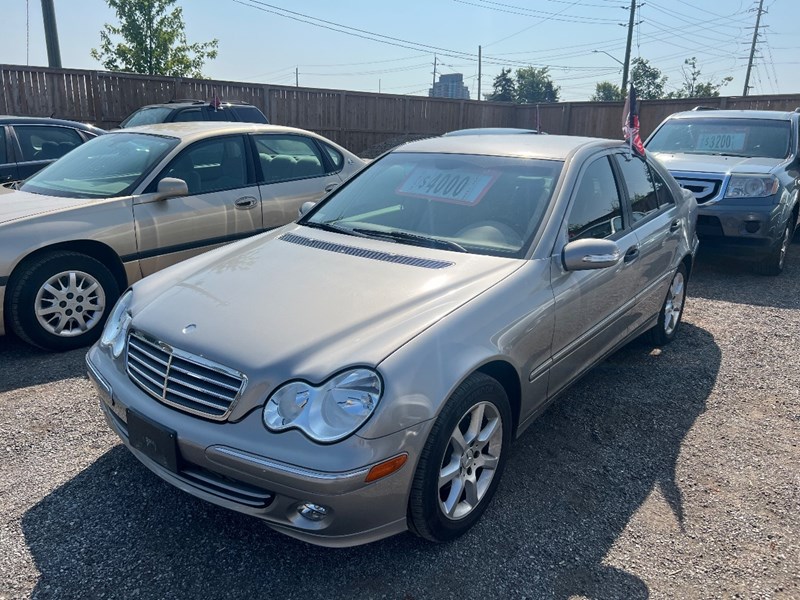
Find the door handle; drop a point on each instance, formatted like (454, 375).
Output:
(331, 186)
(245, 203)
(676, 224)
(632, 254)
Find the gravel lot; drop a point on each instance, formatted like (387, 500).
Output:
(663, 474)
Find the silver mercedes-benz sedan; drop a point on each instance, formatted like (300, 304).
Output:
(131, 202)
(363, 372)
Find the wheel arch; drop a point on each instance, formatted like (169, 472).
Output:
(97, 250)
(506, 375)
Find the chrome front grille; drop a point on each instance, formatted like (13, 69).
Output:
(182, 380)
(704, 187)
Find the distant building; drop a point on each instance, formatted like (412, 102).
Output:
(450, 86)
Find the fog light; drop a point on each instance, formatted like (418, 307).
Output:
(752, 226)
(313, 512)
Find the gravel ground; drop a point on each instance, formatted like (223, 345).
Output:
(669, 473)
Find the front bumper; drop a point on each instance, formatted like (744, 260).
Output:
(217, 464)
(752, 228)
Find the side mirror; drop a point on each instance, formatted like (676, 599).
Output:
(590, 253)
(306, 206)
(171, 187)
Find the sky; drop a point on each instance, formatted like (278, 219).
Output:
(390, 44)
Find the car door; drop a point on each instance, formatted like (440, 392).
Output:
(8, 165)
(38, 145)
(658, 225)
(293, 170)
(592, 308)
(223, 204)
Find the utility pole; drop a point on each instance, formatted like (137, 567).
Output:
(628, 50)
(297, 77)
(752, 48)
(479, 73)
(434, 73)
(51, 34)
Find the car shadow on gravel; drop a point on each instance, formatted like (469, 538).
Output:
(729, 280)
(571, 485)
(16, 358)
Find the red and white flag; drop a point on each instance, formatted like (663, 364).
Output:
(630, 123)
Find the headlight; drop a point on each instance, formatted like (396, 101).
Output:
(752, 186)
(326, 413)
(117, 325)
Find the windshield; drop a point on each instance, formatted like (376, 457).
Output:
(479, 204)
(729, 137)
(107, 166)
(147, 116)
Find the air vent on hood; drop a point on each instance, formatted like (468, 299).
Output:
(412, 261)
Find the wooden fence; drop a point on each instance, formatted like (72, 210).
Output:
(356, 120)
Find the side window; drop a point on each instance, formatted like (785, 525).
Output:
(189, 114)
(46, 142)
(211, 165)
(3, 158)
(596, 211)
(336, 157)
(662, 190)
(639, 181)
(287, 157)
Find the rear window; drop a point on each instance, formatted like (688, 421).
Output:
(767, 138)
(147, 116)
(2, 145)
(249, 114)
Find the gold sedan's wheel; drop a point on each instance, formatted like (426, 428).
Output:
(60, 300)
(462, 461)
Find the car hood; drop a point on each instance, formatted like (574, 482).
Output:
(16, 205)
(309, 307)
(707, 163)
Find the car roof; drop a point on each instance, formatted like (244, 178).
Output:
(490, 131)
(551, 147)
(15, 120)
(736, 114)
(187, 102)
(195, 130)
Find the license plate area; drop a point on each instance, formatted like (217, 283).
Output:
(154, 441)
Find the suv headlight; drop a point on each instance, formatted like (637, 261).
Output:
(327, 413)
(752, 186)
(116, 329)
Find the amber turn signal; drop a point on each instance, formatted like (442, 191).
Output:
(387, 467)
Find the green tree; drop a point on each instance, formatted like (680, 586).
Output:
(605, 91)
(693, 87)
(153, 41)
(648, 80)
(535, 86)
(504, 89)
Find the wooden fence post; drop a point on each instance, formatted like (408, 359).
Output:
(96, 103)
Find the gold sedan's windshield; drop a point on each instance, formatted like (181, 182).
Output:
(466, 203)
(107, 166)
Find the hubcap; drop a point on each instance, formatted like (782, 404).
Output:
(70, 303)
(470, 460)
(674, 303)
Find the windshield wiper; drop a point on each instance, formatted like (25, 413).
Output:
(331, 226)
(412, 238)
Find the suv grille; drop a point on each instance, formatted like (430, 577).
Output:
(182, 380)
(704, 187)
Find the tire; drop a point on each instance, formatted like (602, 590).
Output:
(479, 411)
(773, 263)
(669, 317)
(60, 300)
